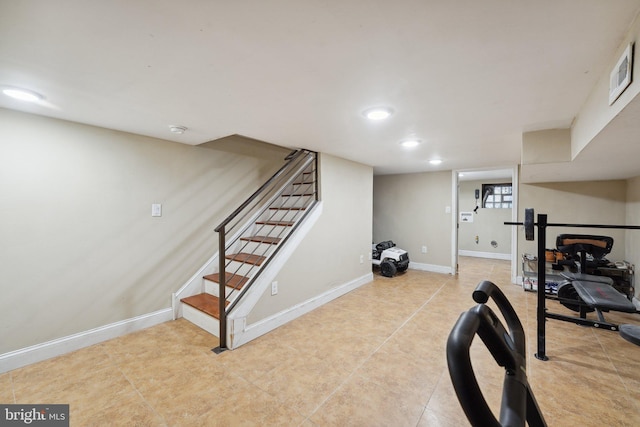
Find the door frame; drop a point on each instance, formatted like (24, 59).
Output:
(455, 217)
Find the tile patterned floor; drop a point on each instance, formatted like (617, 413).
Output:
(374, 357)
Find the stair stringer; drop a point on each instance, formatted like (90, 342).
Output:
(236, 319)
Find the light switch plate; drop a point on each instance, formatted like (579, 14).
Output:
(156, 209)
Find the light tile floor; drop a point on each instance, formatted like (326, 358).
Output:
(374, 357)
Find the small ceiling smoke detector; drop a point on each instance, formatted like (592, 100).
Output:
(22, 94)
(178, 129)
(378, 113)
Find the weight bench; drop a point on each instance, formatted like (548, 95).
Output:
(587, 243)
(586, 293)
(602, 297)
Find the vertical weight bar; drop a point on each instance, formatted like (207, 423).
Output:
(542, 281)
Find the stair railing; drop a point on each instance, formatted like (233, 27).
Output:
(261, 252)
(300, 171)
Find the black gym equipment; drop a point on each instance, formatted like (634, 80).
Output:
(507, 348)
(581, 292)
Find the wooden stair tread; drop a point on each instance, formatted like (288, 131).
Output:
(262, 239)
(248, 258)
(233, 281)
(282, 223)
(206, 303)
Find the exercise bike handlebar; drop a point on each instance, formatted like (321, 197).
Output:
(482, 321)
(481, 295)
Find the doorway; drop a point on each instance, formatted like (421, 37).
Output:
(480, 199)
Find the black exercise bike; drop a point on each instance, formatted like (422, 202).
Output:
(519, 405)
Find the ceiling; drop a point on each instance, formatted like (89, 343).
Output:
(486, 175)
(467, 78)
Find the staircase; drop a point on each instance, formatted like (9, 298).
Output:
(250, 237)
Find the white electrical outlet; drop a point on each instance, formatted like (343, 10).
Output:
(274, 288)
(361, 259)
(424, 249)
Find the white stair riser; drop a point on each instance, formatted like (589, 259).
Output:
(305, 187)
(284, 215)
(213, 288)
(293, 201)
(262, 249)
(246, 270)
(301, 193)
(272, 230)
(201, 319)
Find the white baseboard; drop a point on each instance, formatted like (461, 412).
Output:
(491, 255)
(242, 333)
(430, 267)
(39, 352)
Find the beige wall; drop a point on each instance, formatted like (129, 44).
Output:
(410, 209)
(488, 224)
(588, 202)
(546, 146)
(329, 255)
(79, 246)
(596, 112)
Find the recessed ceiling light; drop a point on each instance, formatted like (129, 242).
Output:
(178, 129)
(410, 143)
(22, 94)
(378, 113)
(435, 161)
